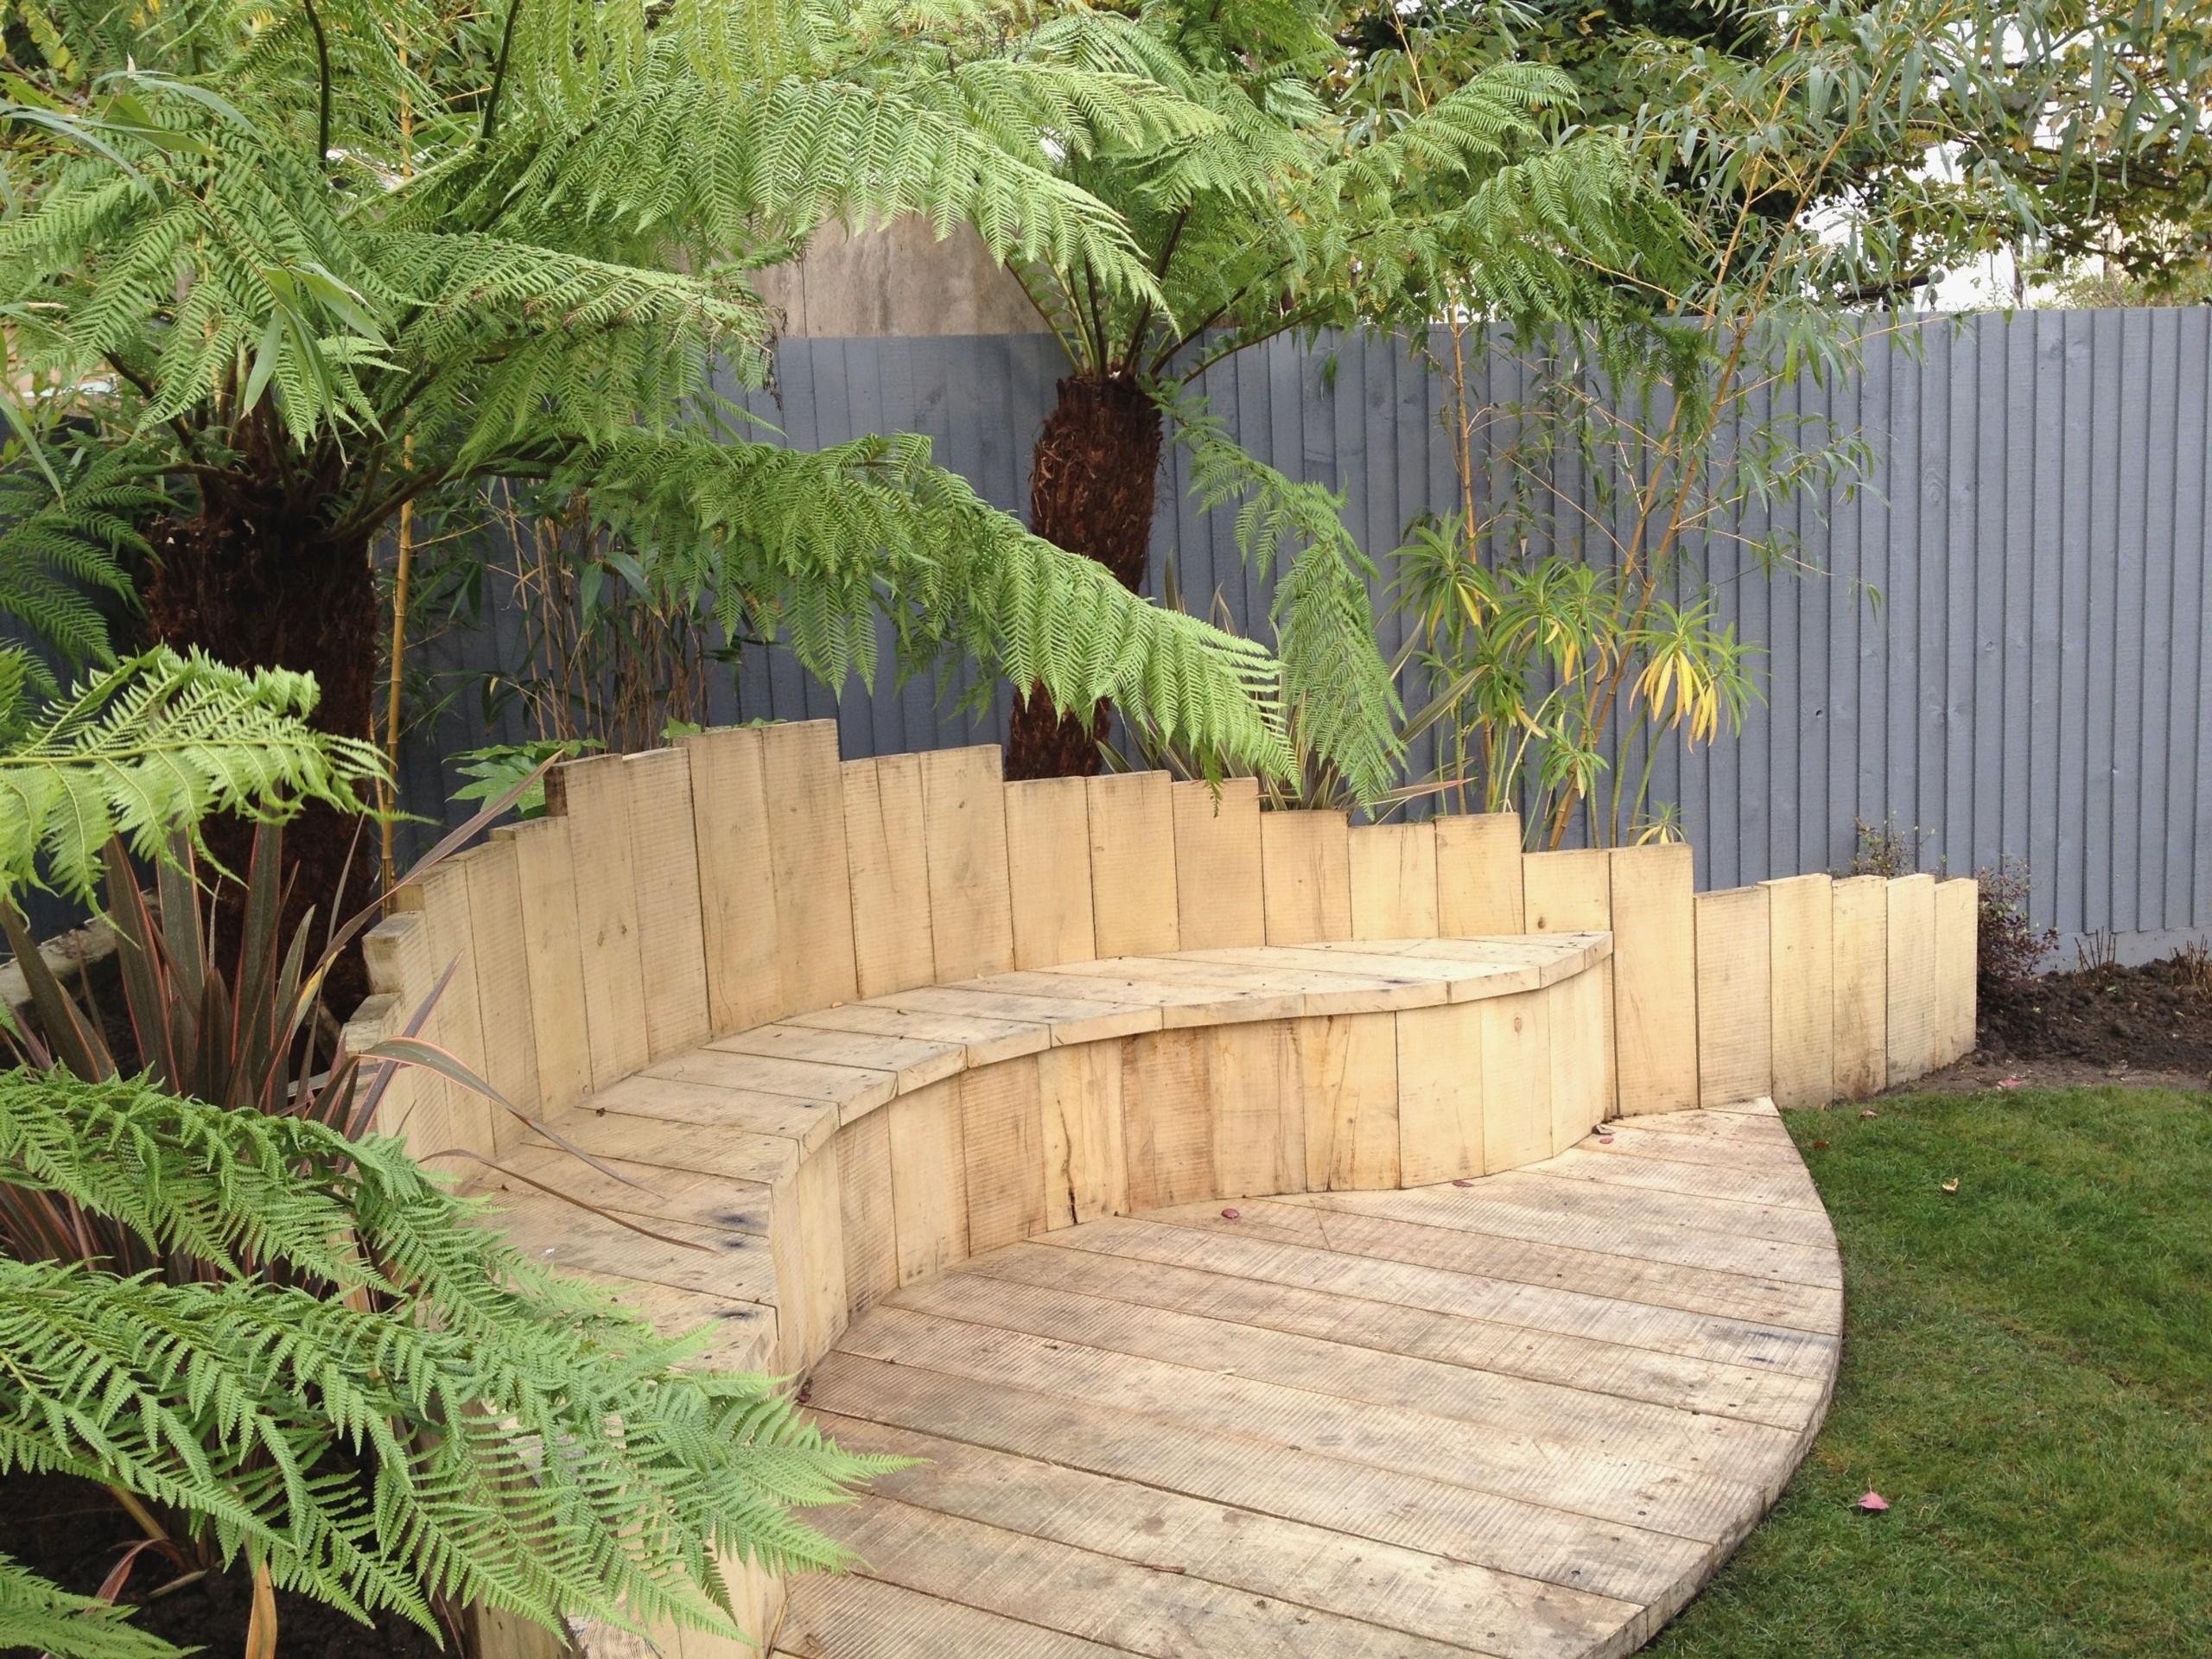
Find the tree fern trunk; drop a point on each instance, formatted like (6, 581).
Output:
(1090, 491)
(257, 588)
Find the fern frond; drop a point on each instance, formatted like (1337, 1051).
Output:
(386, 1402)
(149, 748)
(36, 1617)
(818, 550)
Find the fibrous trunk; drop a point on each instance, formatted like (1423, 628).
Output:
(257, 590)
(1090, 491)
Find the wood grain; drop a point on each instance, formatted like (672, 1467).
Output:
(1306, 874)
(1478, 884)
(1910, 991)
(1861, 946)
(888, 864)
(1801, 961)
(1655, 977)
(1048, 871)
(1220, 895)
(1392, 871)
(1735, 1024)
(737, 886)
(963, 821)
(1132, 879)
(664, 854)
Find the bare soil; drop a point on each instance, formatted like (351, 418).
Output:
(74, 1533)
(2149, 1027)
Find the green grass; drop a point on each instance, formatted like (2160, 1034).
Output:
(2027, 1377)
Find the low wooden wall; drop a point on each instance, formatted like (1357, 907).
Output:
(747, 875)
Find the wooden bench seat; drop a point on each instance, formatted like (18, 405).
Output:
(710, 1147)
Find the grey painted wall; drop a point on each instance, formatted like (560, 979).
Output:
(2033, 680)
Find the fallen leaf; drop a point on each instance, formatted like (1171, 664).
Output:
(1951, 1185)
(1819, 1146)
(1232, 1215)
(2012, 1083)
(1873, 1503)
(1870, 1112)
(1463, 1183)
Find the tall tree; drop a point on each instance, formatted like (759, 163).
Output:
(328, 259)
(1306, 203)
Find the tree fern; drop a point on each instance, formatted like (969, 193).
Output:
(335, 259)
(148, 748)
(66, 529)
(370, 1391)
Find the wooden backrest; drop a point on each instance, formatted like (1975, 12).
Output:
(748, 873)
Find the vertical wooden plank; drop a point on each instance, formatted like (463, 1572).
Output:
(1517, 1079)
(1572, 893)
(1478, 882)
(889, 868)
(545, 882)
(1048, 871)
(871, 1234)
(503, 985)
(818, 1193)
(457, 1021)
(1002, 1135)
(1220, 901)
(1862, 978)
(1133, 864)
(1735, 1027)
(1440, 1104)
(929, 1181)
(1567, 892)
(671, 948)
(397, 952)
(1259, 1119)
(963, 822)
(1655, 977)
(737, 886)
(1582, 1059)
(1305, 876)
(1167, 1122)
(1393, 877)
(1911, 989)
(1079, 1100)
(1347, 1078)
(1958, 915)
(1800, 966)
(806, 853)
(592, 795)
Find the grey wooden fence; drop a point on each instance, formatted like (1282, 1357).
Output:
(2004, 645)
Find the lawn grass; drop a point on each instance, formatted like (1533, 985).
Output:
(2027, 1377)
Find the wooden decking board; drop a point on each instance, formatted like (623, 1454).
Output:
(1701, 1241)
(1783, 1190)
(1713, 1387)
(1744, 1296)
(1693, 1212)
(1418, 1512)
(1687, 1439)
(1549, 1308)
(1561, 1482)
(1458, 1603)
(861, 1618)
(1100, 1598)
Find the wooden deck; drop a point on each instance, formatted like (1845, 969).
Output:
(1525, 1416)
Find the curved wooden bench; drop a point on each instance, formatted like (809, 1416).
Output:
(841, 1025)
(953, 1119)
